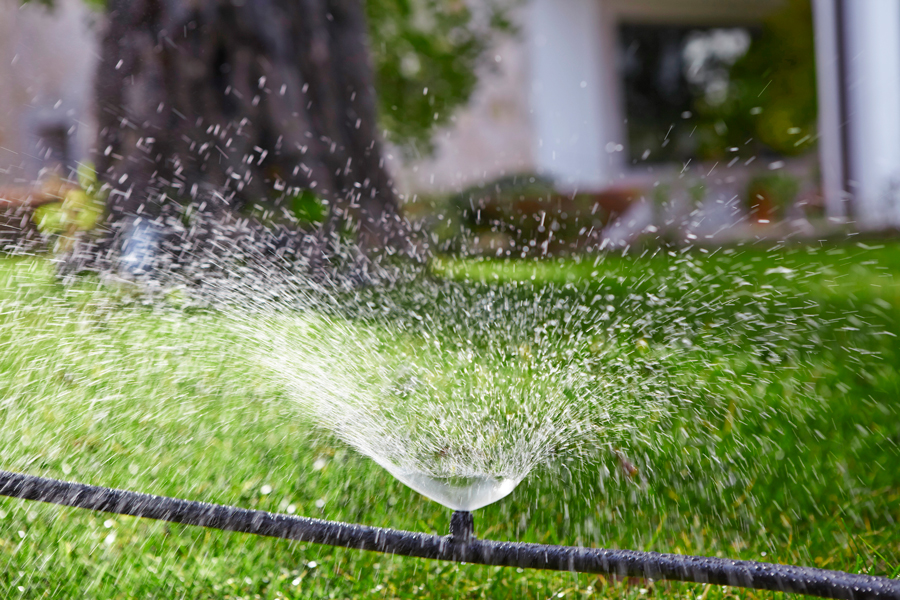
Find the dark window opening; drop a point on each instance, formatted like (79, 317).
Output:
(665, 71)
(53, 147)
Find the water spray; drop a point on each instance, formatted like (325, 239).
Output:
(460, 546)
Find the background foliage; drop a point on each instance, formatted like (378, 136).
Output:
(772, 91)
(426, 55)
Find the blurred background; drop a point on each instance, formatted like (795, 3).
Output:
(539, 126)
(229, 167)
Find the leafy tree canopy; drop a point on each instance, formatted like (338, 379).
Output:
(426, 54)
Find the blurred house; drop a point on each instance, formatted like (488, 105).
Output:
(590, 93)
(560, 100)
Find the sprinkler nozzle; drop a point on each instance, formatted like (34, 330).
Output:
(462, 527)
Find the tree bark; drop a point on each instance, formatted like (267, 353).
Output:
(221, 103)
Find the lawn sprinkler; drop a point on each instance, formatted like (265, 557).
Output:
(460, 546)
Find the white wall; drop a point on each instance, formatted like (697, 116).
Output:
(47, 60)
(573, 92)
(490, 137)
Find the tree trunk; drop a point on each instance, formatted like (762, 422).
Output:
(222, 103)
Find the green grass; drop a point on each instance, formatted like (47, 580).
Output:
(781, 442)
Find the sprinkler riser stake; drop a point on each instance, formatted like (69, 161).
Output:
(462, 527)
(622, 563)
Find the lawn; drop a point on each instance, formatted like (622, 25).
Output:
(755, 390)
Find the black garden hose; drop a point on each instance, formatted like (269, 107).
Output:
(460, 546)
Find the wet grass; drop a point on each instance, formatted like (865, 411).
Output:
(784, 447)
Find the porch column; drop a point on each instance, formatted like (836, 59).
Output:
(829, 79)
(872, 89)
(575, 110)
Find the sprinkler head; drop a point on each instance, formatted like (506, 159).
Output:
(462, 527)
